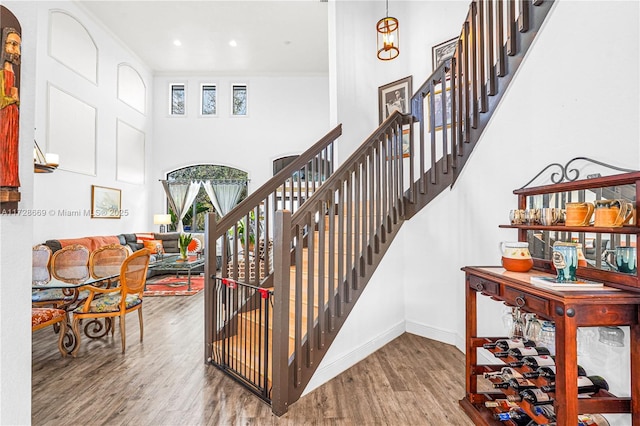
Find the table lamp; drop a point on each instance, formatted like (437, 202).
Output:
(162, 220)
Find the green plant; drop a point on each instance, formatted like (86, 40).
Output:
(252, 228)
(183, 243)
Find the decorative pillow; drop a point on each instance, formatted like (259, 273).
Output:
(141, 238)
(153, 245)
(194, 246)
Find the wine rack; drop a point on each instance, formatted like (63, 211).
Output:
(615, 304)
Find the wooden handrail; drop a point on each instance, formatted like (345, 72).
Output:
(239, 211)
(328, 244)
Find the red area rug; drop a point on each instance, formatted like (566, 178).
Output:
(169, 285)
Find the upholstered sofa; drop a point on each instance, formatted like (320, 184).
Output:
(135, 242)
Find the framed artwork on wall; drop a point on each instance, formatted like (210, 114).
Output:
(438, 102)
(395, 96)
(105, 202)
(443, 51)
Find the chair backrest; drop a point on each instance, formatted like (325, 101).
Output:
(71, 263)
(107, 260)
(40, 257)
(133, 273)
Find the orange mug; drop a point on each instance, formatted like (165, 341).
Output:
(612, 213)
(578, 214)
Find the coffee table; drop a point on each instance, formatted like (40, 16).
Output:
(177, 265)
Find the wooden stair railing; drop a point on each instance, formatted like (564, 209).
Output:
(494, 38)
(250, 258)
(329, 240)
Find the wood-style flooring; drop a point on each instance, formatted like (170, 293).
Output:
(164, 380)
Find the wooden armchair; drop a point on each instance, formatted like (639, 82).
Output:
(107, 260)
(44, 317)
(67, 264)
(118, 301)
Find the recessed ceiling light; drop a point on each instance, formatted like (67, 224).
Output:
(233, 43)
(177, 43)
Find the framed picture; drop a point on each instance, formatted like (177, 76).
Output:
(395, 96)
(105, 202)
(443, 51)
(438, 108)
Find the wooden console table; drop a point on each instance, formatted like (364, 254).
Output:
(569, 310)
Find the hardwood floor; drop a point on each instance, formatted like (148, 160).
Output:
(164, 381)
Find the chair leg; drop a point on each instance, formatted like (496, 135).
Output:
(76, 332)
(122, 329)
(61, 335)
(141, 324)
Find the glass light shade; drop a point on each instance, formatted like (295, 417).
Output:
(52, 159)
(161, 219)
(388, 38)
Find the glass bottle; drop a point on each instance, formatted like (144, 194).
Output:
(517, 383)
(520, 353)
(548, 372)
(536, 396)
(516, 415)
(506, 344)
(534, 362)
(505, 373)
(587, 385)
(593, 420)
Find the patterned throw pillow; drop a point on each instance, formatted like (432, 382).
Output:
(153, 245)
(141, 238)
(194, 246)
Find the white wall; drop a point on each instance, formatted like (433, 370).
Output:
(381, 312)
(423, 24)
(15, 244)
(61, 190)
(69, 191)
(576, 94)
(286, 115)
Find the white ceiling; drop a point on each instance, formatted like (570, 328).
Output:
(273, 37)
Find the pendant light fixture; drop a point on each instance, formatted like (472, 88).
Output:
(387, 35)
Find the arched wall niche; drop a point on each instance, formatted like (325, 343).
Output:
(72, 45)
(131, 88)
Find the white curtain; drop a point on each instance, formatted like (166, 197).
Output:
(181, 196)
(223, 195)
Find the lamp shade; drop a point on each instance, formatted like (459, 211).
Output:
(161, 219)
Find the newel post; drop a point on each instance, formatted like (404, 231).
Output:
(210, 268)
(281, 268)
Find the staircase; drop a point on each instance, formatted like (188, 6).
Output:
(319, 233)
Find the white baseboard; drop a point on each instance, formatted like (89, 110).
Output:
(445, 336)
(324, 373)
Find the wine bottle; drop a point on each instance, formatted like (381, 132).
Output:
(534, 362)
(548, 372)
(506, 344)
(593, 420)
(516, 415)
(518, 384)
(520, 353)
(536, 396)
(547, 411)
(505, 373)
(587, 385)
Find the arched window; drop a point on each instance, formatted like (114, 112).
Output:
(194, 220)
